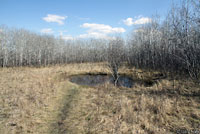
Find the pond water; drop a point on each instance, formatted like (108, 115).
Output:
(93, 80)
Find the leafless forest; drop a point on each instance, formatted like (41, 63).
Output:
(169, 45)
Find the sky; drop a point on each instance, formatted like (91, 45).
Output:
(71, 19)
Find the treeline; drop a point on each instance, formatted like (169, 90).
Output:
(172, 45)
(20, 47)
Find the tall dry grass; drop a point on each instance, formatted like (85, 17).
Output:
(41, 100)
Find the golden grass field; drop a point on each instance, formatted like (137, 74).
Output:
(43, 101)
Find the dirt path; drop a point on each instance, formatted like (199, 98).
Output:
(67, 103)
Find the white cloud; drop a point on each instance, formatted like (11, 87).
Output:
(47, 31)
(139, 21)
(102, 28)
(55, 18)
(100, 31)
(128, 21)
(142, 20)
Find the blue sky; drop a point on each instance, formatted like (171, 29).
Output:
(81, 18)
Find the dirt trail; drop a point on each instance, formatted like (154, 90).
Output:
(68, 101)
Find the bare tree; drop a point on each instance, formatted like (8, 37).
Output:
(115, 56)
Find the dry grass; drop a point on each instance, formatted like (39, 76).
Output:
(42, 100)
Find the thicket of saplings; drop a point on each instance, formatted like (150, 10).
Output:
(171, 45)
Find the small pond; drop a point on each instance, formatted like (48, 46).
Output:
(93, 80)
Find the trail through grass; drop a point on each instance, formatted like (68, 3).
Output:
(68, 100)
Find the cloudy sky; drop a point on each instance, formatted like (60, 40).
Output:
(81, 18)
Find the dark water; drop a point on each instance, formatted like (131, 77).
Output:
(93, 80)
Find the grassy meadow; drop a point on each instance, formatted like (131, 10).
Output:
(44, 101)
